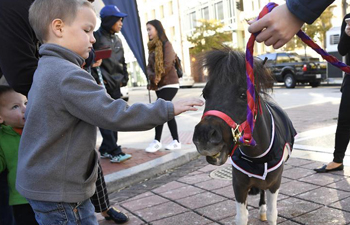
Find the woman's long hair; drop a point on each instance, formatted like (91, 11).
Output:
(160, 30)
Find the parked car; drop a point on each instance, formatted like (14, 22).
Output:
(186, 81)
(125, 93)
(291, 69)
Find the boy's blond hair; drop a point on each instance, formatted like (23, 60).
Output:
(43, 12)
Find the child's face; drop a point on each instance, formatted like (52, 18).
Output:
(78, 36)
(12, 109)
(117, 26)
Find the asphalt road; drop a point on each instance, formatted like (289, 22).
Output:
(309, 108)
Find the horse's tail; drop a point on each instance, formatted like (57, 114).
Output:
(254, 191)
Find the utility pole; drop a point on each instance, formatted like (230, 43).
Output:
(180, 28)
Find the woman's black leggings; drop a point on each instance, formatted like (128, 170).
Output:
(167, 94)
(342, 135)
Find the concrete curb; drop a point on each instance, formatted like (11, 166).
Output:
(127, 177)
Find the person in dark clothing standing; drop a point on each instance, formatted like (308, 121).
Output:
(19, 45)
(342, 134)
(114, 73)
(18, 61)
(19, 57)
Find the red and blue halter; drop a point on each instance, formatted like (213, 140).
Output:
(247, 127)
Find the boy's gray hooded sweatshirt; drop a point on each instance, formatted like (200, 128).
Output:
(57, 161)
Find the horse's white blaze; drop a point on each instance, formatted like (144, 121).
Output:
(271, 207)
(241, 214)
(262, 212)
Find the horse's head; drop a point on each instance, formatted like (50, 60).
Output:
(225, 91)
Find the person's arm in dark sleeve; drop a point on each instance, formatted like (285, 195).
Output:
(90, 60)
(18, 51)
(344, 42)
(308, 10)
(125, 72)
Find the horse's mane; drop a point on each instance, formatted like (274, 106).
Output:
(228, 66)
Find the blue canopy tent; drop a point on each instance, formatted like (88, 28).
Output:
(132, 30)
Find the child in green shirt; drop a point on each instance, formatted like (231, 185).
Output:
(12, 108)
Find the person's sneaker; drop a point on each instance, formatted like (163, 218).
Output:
(106, 155)
(120, 158)
(173, 145)
(154, 146)
(117, 216)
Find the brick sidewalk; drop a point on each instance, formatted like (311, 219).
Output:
(139, 156)
(196, 198)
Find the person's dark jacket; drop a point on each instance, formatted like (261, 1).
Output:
(344, 42)
(18, 45)
(114, 69)
(308, 10)
(170, 75)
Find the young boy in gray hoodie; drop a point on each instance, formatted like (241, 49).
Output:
(57, 162)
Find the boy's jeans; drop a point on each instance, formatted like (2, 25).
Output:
(82, 213)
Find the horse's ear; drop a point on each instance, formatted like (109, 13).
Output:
(263, 77)
(200, 60)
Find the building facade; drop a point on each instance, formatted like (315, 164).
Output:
(180, 17)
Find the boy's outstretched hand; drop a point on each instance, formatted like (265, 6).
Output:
(277, 27)
(188, 104)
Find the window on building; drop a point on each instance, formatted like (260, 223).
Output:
(153, 14)
(192, 19)
(170, 8)
(231, 10)
(161, 11)
(334, 39)
(172, 34)
(219, 11)
(205, 13)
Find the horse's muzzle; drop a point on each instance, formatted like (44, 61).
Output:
(209, 142)
(207, 139)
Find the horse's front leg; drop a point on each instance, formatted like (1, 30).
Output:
(241, 205)
(272, 206)
(262, 206)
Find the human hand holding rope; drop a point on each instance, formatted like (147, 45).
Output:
(277, 27)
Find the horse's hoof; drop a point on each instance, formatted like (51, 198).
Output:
(263, 217)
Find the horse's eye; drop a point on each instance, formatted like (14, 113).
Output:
(243, 95)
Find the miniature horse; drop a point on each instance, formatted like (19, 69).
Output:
(256, 167)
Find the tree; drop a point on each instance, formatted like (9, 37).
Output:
(310, 29)
(208, 35)
(324, 24)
